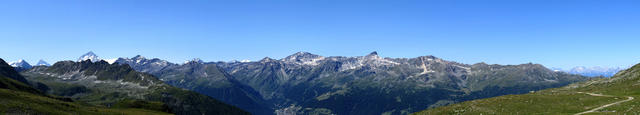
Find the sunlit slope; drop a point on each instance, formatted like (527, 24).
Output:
(18, 102)
(615, 95)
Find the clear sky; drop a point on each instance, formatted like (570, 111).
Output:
(555, 33)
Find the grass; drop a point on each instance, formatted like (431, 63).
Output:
(19, 102)
(546, 102)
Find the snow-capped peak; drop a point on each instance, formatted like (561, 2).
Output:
(89, 56)
(245, 61)
(42, 63)
(304, 58)
(20, 63)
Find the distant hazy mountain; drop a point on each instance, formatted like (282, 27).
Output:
(305, 83)
(593, 71)
(21, 63)
(596, 71)
(42, 63)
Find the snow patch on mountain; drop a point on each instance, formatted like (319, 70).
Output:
(372, 60)
(111, 61)
(303, 58)
(141, 60)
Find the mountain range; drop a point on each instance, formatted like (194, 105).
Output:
(21, 64)
(104, 84)
(19, 97)
(305, 83)
(596, 71)
(87, 87)
(301, 83)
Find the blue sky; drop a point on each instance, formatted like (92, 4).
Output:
(555, 33)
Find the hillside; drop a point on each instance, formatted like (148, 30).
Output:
(18, 102)
(17, 97)
(110, 85)
(206, 79)
(616, 95)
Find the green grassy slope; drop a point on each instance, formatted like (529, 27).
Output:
(18, 102)
(565, 100)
